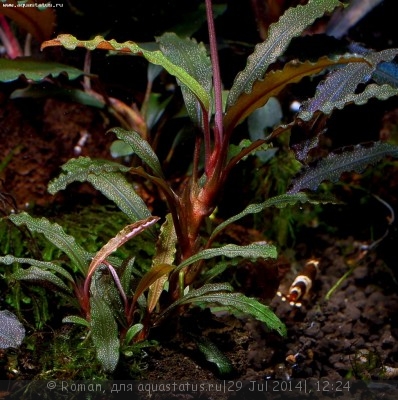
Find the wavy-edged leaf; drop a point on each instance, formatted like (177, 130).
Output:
(280, 201)
(113, 244)
(206, 289)
(192, 57)
(339, 87)
(165, 254)
(107, 177)
(235, 302)
(252, 251)
(38, 275)
(291, 24)
(56, 235)
(214, 355)
(153, 56)
(275, 81)
(240, 304)
(12, 332)
(141, 147)
(133, 330)
(74, 319)
(9, 259)
(104, 333)
(371, 91)
(79, 170)
(34, 70)
(355, 158)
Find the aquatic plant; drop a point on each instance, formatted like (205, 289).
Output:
(116, 312)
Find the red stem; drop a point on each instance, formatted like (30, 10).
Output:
(218, 117)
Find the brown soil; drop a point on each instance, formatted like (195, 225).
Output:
(325, 337)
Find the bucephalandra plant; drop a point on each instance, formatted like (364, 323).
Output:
(117, 313)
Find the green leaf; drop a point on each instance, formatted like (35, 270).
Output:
(238, 303)
(141, 147)
(126, 275)
(291, 24)
(11, 70)
(38, 275)
(193, 58)
(203, 290)
(280, 201)
(9, 259)
(79, 170)
(74, 319)
(12, 332)
(235, 303)
(340, 86)
(56, 235)
(155, 57)
(165, 254)
(76, 95)
(133, 330)
(105, 176)
(254, 250)
(155, 108)
(355, 158)
(104, 333)
(214, 355)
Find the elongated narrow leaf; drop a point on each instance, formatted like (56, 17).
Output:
(281, 201)
(74, 319)
(9, 259)
(56, 235)
(290, 25)
(122, 237)
(127, 273)
(340, 86)
(133, 330)
(37, 275)
(372, 91)
(155, 57)
(104, 333)
(79, 170)
(34, 70)
(206, 289)
(165, 254)
(193, 58)
(350, 159)
(219, 293)
(107, 177)
(253, 251)
(275, 81)
(12, 332)
(240, 304)
(151, 277)
(64, 93)
(141, 147)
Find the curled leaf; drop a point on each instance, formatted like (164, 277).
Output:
(355, 158)
(155, 57)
